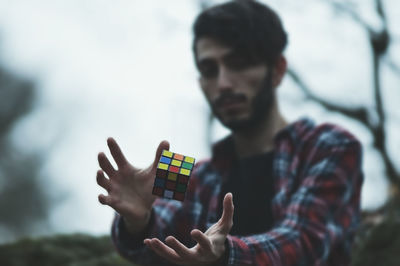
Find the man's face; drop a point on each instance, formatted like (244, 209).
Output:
(239, 92)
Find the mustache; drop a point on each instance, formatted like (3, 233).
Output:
(228, 97)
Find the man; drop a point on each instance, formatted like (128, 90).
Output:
(296, 187)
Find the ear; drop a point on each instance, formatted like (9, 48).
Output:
(279, 71)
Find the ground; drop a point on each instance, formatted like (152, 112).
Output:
(377, 243)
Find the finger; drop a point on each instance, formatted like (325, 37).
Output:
(102, 180)
(105, 164)
(201, 239)
(105, 200)
(226, 220)
(164, 145)
(163, 250)
(116, 152)
(179, 248)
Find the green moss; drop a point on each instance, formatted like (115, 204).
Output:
(380, 244)
(61, 250)
(380, 247)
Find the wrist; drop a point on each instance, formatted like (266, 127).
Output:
(223, 260)
(137, 226)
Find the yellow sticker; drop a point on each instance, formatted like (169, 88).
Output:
(176, 163)
(163, 166)
(189, 159)
(172, 176)
(167, 153)
(185, 172)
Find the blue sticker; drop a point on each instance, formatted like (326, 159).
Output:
(165, 160)
(159, 182)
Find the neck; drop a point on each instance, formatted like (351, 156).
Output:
(260, 138)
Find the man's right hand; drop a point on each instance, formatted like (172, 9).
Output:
(129, 188)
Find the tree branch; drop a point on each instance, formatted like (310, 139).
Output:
(379, 41)
(357, 113)
(392, 65)
(341, 7)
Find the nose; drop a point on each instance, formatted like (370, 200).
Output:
(224, 79)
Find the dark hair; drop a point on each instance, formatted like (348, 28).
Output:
(250, 28)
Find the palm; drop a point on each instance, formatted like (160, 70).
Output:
(129, 188)
(210, 246)
(216, 238)
(215, 235)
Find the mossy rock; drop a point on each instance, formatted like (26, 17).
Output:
(61, 250)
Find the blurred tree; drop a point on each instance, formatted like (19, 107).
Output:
(24, 201)
(375, 118)
(378, 237)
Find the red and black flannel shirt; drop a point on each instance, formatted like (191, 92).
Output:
(316, 204)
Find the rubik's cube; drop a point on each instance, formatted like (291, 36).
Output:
(172, 176)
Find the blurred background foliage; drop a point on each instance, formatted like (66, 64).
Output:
(25, 201)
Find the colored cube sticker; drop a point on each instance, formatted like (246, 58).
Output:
(172, 176)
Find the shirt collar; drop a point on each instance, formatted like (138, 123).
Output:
(223, 152)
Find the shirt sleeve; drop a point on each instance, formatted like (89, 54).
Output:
(320, 215)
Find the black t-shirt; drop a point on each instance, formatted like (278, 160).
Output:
(251, 183)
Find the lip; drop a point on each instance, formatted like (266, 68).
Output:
(231, 104)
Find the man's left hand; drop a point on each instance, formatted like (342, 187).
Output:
(210, 245)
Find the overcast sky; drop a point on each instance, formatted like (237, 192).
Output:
(123, 68)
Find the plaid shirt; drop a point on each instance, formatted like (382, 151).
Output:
(316, 205)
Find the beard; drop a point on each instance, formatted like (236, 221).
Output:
(260, 105)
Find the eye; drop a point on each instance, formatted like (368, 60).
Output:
(237, 62)
(208, 69)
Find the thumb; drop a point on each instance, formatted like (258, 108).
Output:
(164, 145)
(226, 221)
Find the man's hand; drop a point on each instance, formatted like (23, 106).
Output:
(210, 245)
(129, 188)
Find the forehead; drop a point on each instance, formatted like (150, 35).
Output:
(207, 48)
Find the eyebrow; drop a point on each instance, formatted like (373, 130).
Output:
(225, 57)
